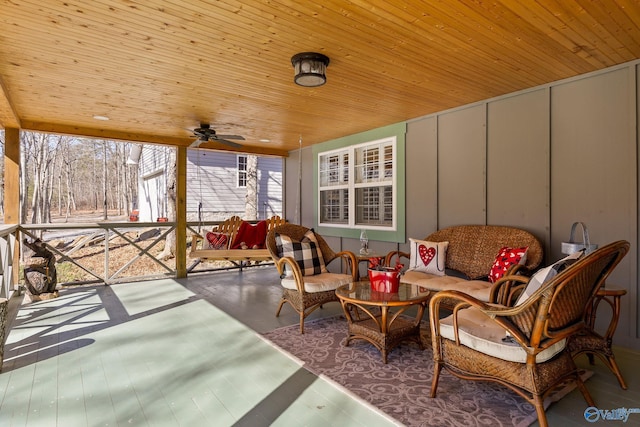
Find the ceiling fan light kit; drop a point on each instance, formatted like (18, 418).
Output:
(310, 68)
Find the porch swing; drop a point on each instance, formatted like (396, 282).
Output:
(234, 240)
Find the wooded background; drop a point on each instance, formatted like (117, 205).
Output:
(65, 174)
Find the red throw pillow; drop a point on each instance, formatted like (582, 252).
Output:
(217, 240)
(505, 259)
(253, 236)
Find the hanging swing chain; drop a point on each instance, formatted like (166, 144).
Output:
(199, 191)
(299, 189)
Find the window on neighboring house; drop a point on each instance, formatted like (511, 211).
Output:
(242, 171)
(357, 186)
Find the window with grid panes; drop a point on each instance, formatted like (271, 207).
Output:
(242, 171)
(357, 185)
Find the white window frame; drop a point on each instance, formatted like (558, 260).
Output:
(241, 172)
(351, 171)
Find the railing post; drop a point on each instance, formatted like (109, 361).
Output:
(181, 212)
(106, 256)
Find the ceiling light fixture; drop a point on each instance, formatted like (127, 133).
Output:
(310, 68)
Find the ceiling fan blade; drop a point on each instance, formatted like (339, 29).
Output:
(230, 137)
(196, 143)
(229, 143)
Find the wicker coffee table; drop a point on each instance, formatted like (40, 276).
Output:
(371, 318)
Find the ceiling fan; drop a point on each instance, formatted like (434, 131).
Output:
(204, 133)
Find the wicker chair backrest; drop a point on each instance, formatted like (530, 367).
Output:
(297, 232)
(473, 248)
(560, 303)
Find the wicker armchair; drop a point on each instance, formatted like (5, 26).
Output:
(306, 293)
(537, 358)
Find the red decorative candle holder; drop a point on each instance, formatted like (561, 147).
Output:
(384, 280)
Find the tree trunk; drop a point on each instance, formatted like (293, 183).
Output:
(105, 176)
(172, 188)
(251, 198)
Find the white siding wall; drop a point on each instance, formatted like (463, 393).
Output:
(212, 181)
(152, 187)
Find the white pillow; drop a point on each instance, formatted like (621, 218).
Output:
(428, 257)
(545, 274)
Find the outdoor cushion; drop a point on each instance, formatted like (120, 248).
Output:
(476, 330)
(251, 236)
(319, 282)
(428, 257)
(545, 274)
(304, 252)
(506, 258)
(215, 240)
(479, 289)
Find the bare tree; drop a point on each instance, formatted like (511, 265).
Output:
(169, 250)
(43, 153)
(251, 197)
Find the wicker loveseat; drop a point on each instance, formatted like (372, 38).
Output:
(471, 252)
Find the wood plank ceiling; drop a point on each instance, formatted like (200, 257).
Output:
(158, 68)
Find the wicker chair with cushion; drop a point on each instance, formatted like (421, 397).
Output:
(301, 257)
(522, 346)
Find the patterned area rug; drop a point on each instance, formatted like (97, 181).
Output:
(401, 387)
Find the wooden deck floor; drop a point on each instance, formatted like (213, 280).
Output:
(170, 353)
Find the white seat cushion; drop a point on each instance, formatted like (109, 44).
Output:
(319, 282)
(477, 331)
(478, 289)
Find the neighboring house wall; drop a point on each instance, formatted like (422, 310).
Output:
(213, 193)
(152, 183)
(538, 159)
(212, 184)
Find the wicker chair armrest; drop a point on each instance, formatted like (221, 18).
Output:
(505, 291)
(395, 254)
(297, 274)
(352, 263)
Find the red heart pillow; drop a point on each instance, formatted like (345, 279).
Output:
(217, 240)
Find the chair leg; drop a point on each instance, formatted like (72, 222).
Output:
(585, 392)
(302, 322)
(616, 371)
(437, 367)
(538, 402)
(282, 301)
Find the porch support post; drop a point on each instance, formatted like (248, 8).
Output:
(12, 188)
(181, 212)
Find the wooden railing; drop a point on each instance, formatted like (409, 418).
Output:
(8, 238)
(103, 233)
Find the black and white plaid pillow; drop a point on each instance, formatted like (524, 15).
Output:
(305, 253)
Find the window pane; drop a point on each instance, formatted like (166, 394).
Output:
(368, 164)
(242, 171)
(334, 206)
(374, 206)
(334, 169)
